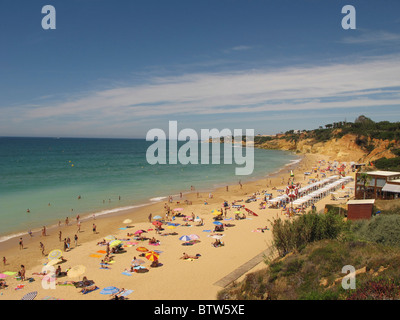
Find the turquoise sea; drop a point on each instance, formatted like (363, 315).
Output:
(46, 176)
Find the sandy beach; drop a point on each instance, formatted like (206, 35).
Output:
(176, 278)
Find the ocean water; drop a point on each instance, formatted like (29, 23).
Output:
(46, 176)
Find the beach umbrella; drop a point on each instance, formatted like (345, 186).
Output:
(142, 249)
(139, 232)
(76, 271)
(110, 238)
(53, 262)
(157, 223)
(217, 223)
(157, 217)
(171, 227)
(137, 262)
(30, 296)
(194, 237)
(115, 243)
(127, 221)
(152, 256)
(178, 209)
(109, 290)
(185, 238)
(197, 219)
(55, 254)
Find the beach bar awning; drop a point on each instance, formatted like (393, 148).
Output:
(388, 187)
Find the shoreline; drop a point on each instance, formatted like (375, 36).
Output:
(136, 214)
(6, 239)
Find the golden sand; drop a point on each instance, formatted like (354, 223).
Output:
(176, 278)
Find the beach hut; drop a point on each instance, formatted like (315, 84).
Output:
(360, 209)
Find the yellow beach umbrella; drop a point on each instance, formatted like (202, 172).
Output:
(115, 243)
(55, 254)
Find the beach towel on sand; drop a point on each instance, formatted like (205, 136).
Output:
(101, 251)
(95, 255)
(126, 292)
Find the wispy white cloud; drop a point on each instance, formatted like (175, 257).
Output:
(335, 86)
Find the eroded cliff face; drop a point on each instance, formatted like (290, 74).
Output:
(342, 149)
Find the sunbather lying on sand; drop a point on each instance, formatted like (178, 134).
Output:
(88, 289)
(186, 256)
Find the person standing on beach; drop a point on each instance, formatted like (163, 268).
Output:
(65, 244)
(94, 228)
(4, 260)
(66, 221)
(42, 247)
(22, 272)
(69, 243)
(79, 226)
(21, 244)
(59, 235)
(76, 240)
(150, 216)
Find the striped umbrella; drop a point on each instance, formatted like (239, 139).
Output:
(185, 238)
(151, 255)
(30, 296)
(194, 237)
(55, 254)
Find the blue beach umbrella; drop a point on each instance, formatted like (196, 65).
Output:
(109, 290)
(157, 217)
(217, 223)
(185, 238)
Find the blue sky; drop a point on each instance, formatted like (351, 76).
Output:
(121, 68)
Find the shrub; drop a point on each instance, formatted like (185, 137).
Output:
(383, 289)
(294, 234)
(383, 229)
